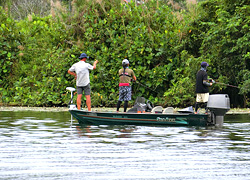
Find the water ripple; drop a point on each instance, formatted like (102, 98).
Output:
(48, 146)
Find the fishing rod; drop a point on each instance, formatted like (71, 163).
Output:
(213, 81)
(146, 86)
(227, 85)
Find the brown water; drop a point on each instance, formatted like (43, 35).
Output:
(48, 145)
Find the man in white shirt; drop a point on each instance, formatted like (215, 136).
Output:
(81, 72)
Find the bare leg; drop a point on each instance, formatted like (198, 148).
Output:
(88, 102)
(78, 101)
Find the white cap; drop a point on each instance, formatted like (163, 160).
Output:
(125, 61)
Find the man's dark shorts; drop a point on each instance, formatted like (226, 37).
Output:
(86, 89)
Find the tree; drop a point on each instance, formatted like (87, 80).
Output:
(20, 9)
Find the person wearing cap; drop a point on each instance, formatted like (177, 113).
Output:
(81, 72)
(202, 84)
(126, 75)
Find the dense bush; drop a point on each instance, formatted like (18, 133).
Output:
(164, 46)
(146, 35)
(9, 41)
(223, 36)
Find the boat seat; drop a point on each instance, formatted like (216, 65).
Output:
(188, 110)
(140, 100)
(168, 110)
(157, 109)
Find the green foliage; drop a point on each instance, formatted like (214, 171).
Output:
(182, 90)
(164, 46)
(223, 35)
(245, 86)
(147, 38)
(38, 77)
(8, 42)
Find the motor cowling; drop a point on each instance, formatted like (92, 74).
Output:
(219, 105)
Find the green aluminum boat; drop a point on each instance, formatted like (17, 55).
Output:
(218, 105)
(113, 118)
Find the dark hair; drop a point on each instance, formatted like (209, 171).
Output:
(124, 65)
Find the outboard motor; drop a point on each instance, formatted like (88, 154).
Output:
(71, 105)
(218, 104)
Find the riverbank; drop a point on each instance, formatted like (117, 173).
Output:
(60, 109)
(51, 109)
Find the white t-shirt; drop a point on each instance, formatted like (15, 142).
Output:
(81, 69)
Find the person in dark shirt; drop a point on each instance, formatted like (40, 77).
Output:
(202, 84)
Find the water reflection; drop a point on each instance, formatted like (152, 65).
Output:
(45, 145)
(237, 118)
(98, 131)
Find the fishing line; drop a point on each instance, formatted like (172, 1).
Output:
(146, 86)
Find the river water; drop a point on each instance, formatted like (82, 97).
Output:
(49, 145)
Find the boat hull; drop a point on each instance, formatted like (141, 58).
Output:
(110, 118)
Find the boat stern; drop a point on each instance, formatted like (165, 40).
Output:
(218, 104)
